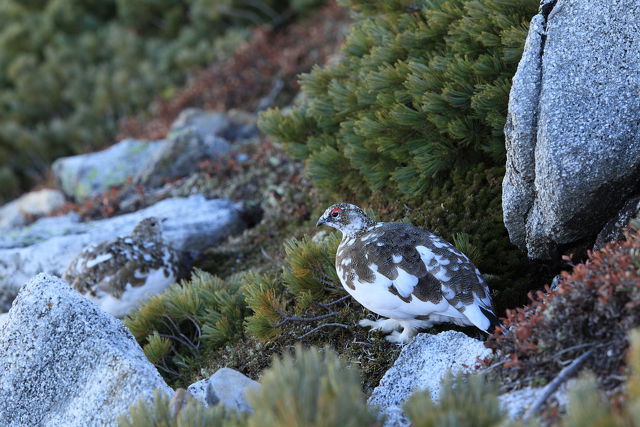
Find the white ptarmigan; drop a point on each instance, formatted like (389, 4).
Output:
(408, 275)
(120, 273)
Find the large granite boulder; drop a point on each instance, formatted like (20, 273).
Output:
(64, 362)
(195, 136)
(422, 365)
(572, 132)
(30, 206)
(84, 176)
(192, 224)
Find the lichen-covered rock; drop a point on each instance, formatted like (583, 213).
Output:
(572, 133)
(31, 205)
(227, 387)
(196, 136)
(192, 224)
(65, 362)
(422, 365)
(83, 176)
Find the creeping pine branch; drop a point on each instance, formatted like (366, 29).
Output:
(286, 318)
(324, 325)
(550, 388)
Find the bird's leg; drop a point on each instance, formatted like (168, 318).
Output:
(402, 337)
(385, 325)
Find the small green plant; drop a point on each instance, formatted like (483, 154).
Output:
(189, 318)
(422, 88)
(465, 400)
(180, 411)
(309, 271)
(265, 298)
(310, 388)
(308, 278)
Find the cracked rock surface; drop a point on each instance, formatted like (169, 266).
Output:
(572, 132)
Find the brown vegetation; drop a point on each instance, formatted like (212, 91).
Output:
(594, 307)
(268, 63)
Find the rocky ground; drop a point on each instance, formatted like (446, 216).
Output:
(232, 199)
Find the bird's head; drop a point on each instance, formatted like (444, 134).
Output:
(347, 218)
(149, 228)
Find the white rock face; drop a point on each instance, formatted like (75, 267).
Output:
(84, 176)
(48, 245)
(422, 364)
(36, 203)
(227, 387)
(66, 363)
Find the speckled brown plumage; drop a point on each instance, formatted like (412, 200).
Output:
(407, 274)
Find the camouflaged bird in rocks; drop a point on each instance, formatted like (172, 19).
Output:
(118, 274)
(408, 275)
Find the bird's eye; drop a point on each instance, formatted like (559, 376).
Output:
(335, 215)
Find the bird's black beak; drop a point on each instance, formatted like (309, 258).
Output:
(321, 222)
(164, 219)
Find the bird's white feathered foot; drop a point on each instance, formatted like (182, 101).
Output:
(384, 325)
(393, 326)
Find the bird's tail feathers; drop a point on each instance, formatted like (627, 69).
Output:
(494, 322)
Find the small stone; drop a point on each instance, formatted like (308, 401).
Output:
(422, 365)
(84, 176)
(227, 387)
(29, 207)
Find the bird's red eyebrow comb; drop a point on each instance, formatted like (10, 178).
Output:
(334, 210)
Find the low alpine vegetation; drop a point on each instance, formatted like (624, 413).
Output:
(310, 387)
(594, 307)
(190, 318)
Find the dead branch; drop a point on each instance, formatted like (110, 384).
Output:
(550, 388)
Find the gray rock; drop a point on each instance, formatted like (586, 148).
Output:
(87, 175)
(613, 230)
(515, 403)
(195, 136)
(34, 204)
(227, 387)
(193, 224)
(422, 365)
(572, 132)
(65, 362)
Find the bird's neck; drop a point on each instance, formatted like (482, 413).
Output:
(357, 228)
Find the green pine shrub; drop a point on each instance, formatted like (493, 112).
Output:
(413, 114)
(594, 307)
(309, 272)
(265, 297)
(308, 277)
(70, 70)
(162, 412)
(189, 319)
(422, 88)
(310, 388)
(465, 400)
